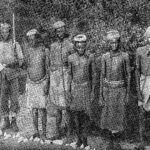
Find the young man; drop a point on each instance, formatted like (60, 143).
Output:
(114, 88)
(133, 43)
(81, 83)
(11, 58)
(60, 50)
(143, 78)
(37, 63)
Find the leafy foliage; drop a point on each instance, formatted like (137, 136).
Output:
(94, 17)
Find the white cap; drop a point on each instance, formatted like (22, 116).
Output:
(58, 24)
(113, 34)
(32, 32)
(80, 38)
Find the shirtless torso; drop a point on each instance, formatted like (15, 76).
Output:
(37, 63)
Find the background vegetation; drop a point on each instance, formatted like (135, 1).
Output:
(93, 17)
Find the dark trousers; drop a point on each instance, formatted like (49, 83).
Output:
(69, 122)
(9, 91)
(82, 125)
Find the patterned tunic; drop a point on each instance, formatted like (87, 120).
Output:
(115, 72)
(9, 76)
(59, 72)
(143, 66)
(82, 73)
(7, 56)
(143, 60)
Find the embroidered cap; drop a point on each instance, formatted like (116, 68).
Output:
(58, 24)
(80, 38)
(113, 34)
(32, 32)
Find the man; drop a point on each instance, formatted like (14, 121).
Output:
(11, 58)
(134, 42)
(114, 88)
(82, 75)
(143, 78)
(60, 50)
(37, 62)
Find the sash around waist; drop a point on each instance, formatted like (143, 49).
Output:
(35, 82)
(80, 83)
(58, 67)
(113, 84)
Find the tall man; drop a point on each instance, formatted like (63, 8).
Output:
(143, 77)
(134, 42)
(115, 80)
(82, 75)
(11, 57)
(37, 63)
(59, 52)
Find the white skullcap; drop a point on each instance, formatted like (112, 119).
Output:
(58, 24)
(147, 33)
(80, 38)
(113, 35)
(5, 26)
(32, 32)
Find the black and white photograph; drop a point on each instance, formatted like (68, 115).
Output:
(74, 75)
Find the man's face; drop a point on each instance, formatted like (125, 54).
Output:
(80, 47)
(114, 44)
(5, 34)
(138, 36)
(31, 39)
(60, 32)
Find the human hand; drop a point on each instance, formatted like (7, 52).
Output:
(46, 90)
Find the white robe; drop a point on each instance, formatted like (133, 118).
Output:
(145, 88)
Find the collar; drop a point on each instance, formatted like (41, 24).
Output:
(115, 54)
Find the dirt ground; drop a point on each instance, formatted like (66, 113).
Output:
(24, 121)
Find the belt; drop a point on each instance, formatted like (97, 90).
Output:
(55, 68)
(114, 84)
(36, 82)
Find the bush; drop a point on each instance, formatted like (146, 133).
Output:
(93, 17)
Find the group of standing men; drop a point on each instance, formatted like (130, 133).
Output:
(65, 75)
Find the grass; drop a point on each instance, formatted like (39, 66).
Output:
(24, 121)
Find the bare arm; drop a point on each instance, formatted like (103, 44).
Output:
(102, 76)
(47, 61)
(47, 64)
(137, 75)
(128, 74)
(19, 54)
(70, 75)
(93, 72)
